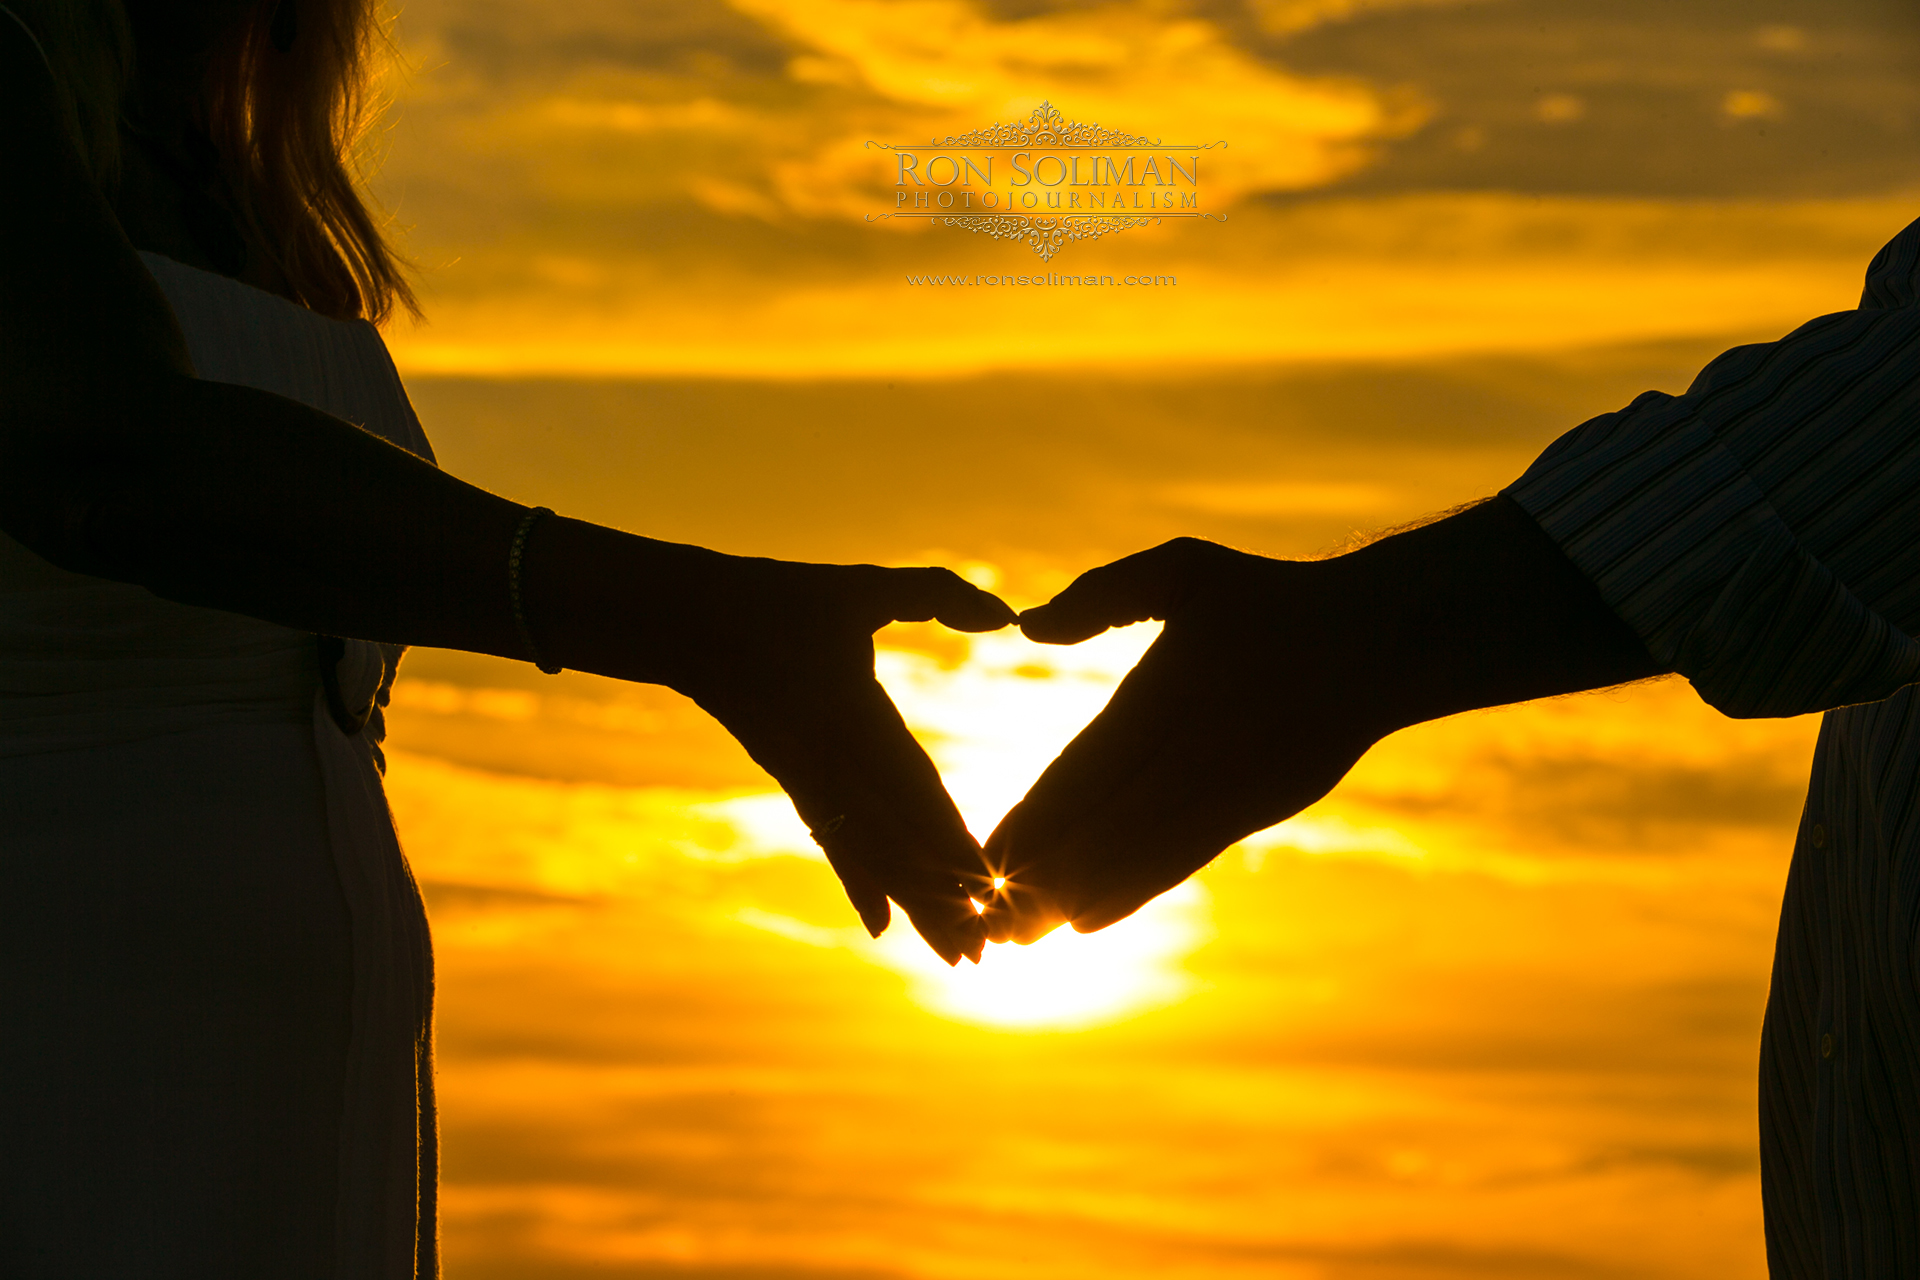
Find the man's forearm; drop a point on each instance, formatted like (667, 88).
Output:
(1482, 609)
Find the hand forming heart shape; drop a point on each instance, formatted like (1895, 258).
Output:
(1270, 679)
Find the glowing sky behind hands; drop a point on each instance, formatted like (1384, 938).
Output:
(1491, 1009)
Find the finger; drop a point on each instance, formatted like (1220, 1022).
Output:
(1017, 909)
(875, 802)
(1172, 771)
(913, 841)
(1144, 585)
(1216, 777)
(876, 853)
(912, 861)
(1164, 824)
(1161, 848)
(868, 898)
(1042, 892)
(938, 910)
(1050, 866)
(916, 595)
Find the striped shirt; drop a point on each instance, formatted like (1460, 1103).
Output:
(1761, 534)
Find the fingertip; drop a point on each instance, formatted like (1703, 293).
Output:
(977, 616)
(975, 610)
(1098, 918)
(952, 951)
(1022, 923)
(999, 927)
(1130, 590)
(976, 939)
(1045, 624)
(915, 595)
(1036, 930)
(950, 936)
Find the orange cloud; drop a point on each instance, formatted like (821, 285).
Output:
(944, 67)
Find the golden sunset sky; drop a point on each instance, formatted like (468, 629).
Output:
(1490, 1010)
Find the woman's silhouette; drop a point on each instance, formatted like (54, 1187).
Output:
(214, 970)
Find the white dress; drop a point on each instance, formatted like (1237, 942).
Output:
(215, 978)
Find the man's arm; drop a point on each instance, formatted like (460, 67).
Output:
(1269, 681)
(1757, 535)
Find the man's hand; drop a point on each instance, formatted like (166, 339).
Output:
(1241, 714)
(1270, 680)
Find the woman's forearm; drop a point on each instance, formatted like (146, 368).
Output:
(237, 499)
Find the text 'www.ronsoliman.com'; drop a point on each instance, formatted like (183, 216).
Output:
(1047, 278)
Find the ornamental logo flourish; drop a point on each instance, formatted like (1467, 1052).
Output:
(1046, 181)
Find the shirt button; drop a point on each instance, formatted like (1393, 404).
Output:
(1818, 836)
(1826, 1045)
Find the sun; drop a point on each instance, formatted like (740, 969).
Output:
(1066, 980)
(992, 723)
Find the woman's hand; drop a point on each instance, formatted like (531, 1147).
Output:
(782, 655)
(115, 461)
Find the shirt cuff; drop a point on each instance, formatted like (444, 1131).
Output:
(1688, 551)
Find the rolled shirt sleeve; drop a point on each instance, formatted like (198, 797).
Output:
(1761, 532)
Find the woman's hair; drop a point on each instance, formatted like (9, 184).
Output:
(288, 98)
(287, 121)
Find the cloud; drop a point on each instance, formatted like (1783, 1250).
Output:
(937, 67)
(1290, 17)
(1411, 276)
(704, 114)
(765, 108)
(1559, 108)
(1751, 104)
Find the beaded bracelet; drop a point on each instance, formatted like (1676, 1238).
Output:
(514, 555)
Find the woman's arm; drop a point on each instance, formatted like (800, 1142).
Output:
(115, 461)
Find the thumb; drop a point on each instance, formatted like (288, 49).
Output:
(1144, 585)
(916, 595)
